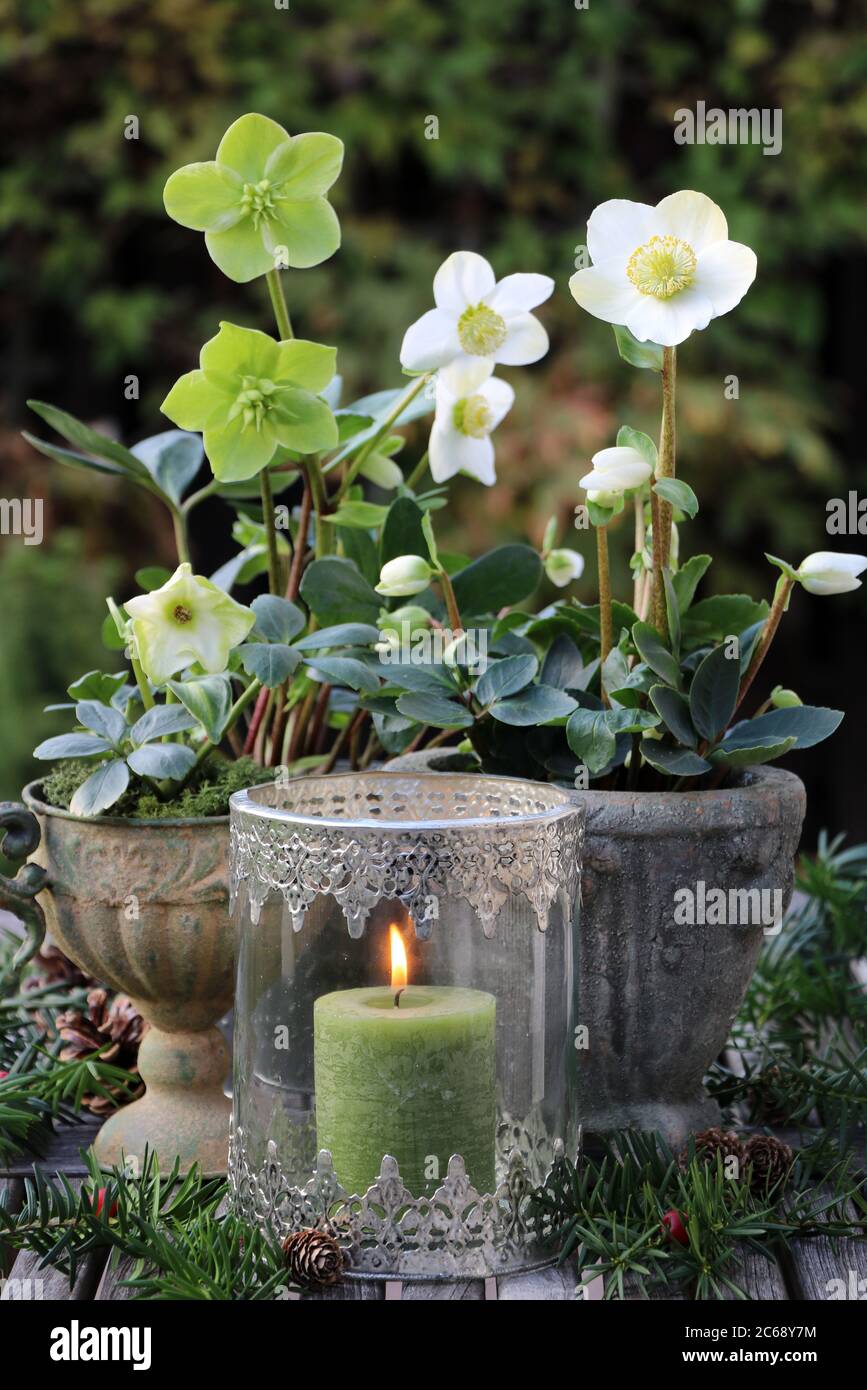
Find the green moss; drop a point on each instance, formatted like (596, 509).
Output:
(206, 795)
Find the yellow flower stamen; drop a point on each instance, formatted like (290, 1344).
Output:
(663, 267)
(472, 416)
(481, 330)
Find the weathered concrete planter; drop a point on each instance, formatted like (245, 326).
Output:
(142, 906)
(657, 997)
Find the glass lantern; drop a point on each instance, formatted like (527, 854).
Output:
(404, 1014)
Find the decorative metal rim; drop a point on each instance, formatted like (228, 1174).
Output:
(561, 807)
(362, 860)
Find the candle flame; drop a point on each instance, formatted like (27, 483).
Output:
(398, 959)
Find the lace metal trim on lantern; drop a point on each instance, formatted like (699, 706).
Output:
(367, 837)
(387, 1232)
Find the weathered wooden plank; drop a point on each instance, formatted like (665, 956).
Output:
(556, 1284)
(109, 1288)
(11, 1197)
(658, 1293)
(822, 1268)
(758, 1275)
(28, 1281)
(350, 1291)
(60, 1153)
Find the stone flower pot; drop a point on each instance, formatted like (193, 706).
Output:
(141, 906)
(656, 993)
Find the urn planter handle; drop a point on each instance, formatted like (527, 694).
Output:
(19, 837)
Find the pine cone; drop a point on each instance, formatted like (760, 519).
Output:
(769, 1160)
(710, 1142)
(769, 1103)
(313, 1258)
(118, 1023)
(54, 968)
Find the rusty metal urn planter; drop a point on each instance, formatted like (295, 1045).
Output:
(142, 906)
(657, 997)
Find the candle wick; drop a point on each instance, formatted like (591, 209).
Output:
(397, 997)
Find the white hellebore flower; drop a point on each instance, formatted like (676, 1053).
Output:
(615, 471)
(460, 439)
(662, 271)
(189, 619)
(562, 566)
(477, 322)
(827, 573)
(404, 576)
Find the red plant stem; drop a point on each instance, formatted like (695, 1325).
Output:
(256, 719)
(778, 608)
(300, 542)
(319, 711)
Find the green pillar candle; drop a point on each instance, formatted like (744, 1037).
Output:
(416, 1080)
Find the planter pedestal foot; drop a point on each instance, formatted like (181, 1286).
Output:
(183, 1113)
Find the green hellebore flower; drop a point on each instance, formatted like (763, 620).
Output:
(261, 203)
(252, 396)
(189, 619)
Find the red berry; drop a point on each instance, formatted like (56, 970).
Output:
(672, 1222)
(100, 1203)
(3, 1074)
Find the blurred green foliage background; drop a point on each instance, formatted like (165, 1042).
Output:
(543, 111)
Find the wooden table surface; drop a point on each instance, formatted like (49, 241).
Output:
(806, 1271)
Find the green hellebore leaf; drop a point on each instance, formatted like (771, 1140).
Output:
(261, 203)
(678, 493)
(563, 663)
(538, 704)
(172, 760)
(714, 692)
(674, 710)
(83, 437)
(402, 532)
(497, 580)
(159, 721)
(628, 438)
(341, 635)
(270, 662)
(102, 789)
(152, 577)
(651, 650)
(506, 677)
(363, 516)
(766, 751)
(173, 459)
(686, 580)
(71, 746)
(277, 619)
(382, 471)
(102, 719)
(590, 739)
(346, 670)
(724, 614)
(336, 592)
(809, 724)
(636, 353)
(208, 699)
(435, 710)
(676, 762)
(96, 685)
